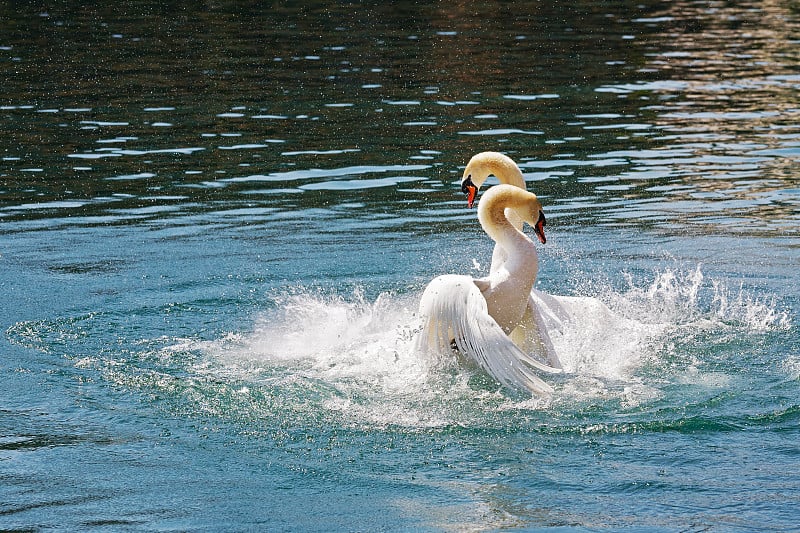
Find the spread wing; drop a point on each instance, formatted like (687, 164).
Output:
(454, 310)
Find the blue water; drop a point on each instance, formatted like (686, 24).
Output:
(216, 224)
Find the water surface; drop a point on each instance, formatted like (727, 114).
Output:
(216, 223)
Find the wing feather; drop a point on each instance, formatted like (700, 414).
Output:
(533, 337)
(454, 310)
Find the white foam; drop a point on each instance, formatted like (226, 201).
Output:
(356, 356)
(333, 339)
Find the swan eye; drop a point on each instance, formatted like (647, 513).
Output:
(466, 184)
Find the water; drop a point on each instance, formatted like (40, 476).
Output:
(216, 223)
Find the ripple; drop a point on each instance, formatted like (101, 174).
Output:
(602, 161)
(104, 123)
(503, 131)
(148, 210)
(117, 152)
(95, 155)
(653, 86)
(457, 102)
(321, 152)
(245, 211)
(314, 173)
(59, 204)
(623, 126)
(116, 140)
(252, 146)
(124, 177)
(778, 152)
(726, 115)
(604, 115)
(343, 185)
(531, 96)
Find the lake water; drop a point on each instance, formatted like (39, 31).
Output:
(216, 223)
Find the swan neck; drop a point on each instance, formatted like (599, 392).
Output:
(497, 225)
(511, 175)
(506, 170)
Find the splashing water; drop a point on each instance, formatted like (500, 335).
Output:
(333, 338)
(676, 298)
(352, 360)
(755, 314)
(672, 297)
(358, 358)
(354, 356)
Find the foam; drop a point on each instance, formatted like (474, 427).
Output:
(357, 357)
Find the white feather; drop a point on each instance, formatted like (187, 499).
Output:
(454, 310)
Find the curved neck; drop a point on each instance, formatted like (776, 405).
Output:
(495, 223)
(508, 172)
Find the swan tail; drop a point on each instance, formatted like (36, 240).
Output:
(454, 311)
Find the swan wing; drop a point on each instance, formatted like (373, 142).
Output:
(454, 310)
(554, 311)
(533, 338)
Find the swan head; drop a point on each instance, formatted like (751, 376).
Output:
(469, 188)
(524, 204)
(486, 164)
(533, 214)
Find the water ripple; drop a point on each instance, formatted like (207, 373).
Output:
(502, 131)
(340, 185)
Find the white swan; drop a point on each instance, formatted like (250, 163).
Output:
(477, 315)
(480, 167)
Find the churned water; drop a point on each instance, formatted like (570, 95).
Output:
(216, 223)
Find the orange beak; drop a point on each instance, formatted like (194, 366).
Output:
(539, 228)
(469, 188)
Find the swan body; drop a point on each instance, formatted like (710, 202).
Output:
(493, 320)
(478, 169)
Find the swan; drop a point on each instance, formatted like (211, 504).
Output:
(478, 169)
(482, 316)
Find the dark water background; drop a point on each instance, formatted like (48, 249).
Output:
(216, 221)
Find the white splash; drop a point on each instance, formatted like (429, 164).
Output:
(362, 350)
(358, 354)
